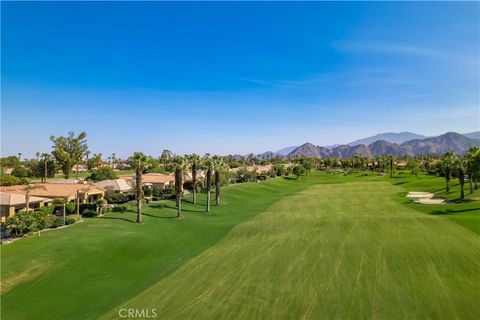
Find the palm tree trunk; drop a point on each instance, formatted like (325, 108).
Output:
(27, 200)
(209, 183)
(64, 214)
(138, 193)
(447, 179)
(179, 190)
(194, 181)
(461, 178)
(45, 171)
(391, 167)
(78, 205)
(179, 205)
(470, 183)
(217, 188)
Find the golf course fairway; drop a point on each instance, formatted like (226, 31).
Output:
(321, 247)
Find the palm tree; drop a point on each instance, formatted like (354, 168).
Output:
(218, 167)
(461, 165)
(391, 161)
(28, 189)
(195, 162)
(113, 160)
(19, 155)
(209, 166)
(165, 157)
(473, 166)
(448, 162)
(101, 204)
(37, 154)
(46, 157)
(180, 164)
(140, 162)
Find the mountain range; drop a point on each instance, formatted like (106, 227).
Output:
(397, 144)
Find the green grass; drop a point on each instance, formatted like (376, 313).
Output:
(321, 247)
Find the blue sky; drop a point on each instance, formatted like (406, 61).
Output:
(235, 77)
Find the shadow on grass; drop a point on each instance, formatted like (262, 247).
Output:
(452, 211)
(290, 178)
(118, 218)
(158, 217)
(165, 206)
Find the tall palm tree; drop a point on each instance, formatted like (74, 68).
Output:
(46, 157)
(448, 162)
(37, 154)
(28, 189)
(195, 163)
(165, 157)
(391, 161)
(140, 162)
(113, 160)
(473, 166)
(461, 165)
(179, 164)
(219, 165)
(19, 155)
(209, 166)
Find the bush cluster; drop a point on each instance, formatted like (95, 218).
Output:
(119, 208)
(116, 197)
(24, 222)
(6, 180)
(88, 213)
(57, 222)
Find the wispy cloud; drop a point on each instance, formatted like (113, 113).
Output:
(467, 57)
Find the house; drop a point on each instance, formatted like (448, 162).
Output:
(68, 191)
(116, 185)
(69, 181)
(12, 203)
(79, 168)
(156, 180)
(263, 170)
(187, 175)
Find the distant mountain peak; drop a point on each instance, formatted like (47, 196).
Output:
(393, 137)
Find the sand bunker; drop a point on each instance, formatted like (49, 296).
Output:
(424, 197)
(419, 195)
(430, 201)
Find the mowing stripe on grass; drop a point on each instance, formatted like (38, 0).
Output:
(331, 251)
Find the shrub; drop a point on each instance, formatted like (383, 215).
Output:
(119, 208)
(116, 197)
(57, 222)
(89, 213)
(70, 207)
(87, 206)
(24, 222)
(103, 173)
(18, 225)
(6, 180)
(46, 210)
(41, 220)
(70, 221)
(299, 170)
(279, 169)
(21, 172)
